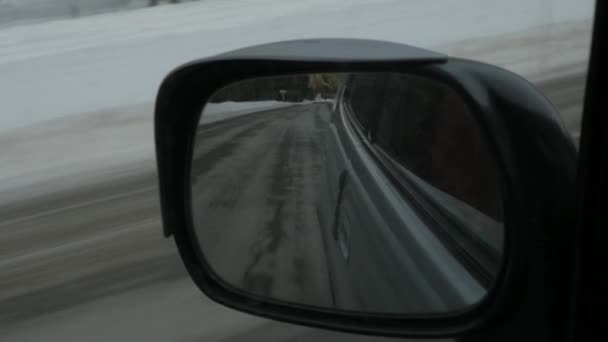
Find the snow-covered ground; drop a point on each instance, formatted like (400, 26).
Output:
(74, 66)
(95, 78)
(225, 110)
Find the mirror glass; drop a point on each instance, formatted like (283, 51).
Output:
(368, 192)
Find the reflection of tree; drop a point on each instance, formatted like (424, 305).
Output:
(294, 88)
(325, 85)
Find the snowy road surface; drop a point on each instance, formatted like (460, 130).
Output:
(266, 167)
(81, 251)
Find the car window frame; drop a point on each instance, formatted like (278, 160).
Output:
(586, 314)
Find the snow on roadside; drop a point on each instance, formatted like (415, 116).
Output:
(74, 66)
(103, 144)
(225, 110)
(69, 67)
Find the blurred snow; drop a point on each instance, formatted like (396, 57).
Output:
(77, 94)
(80, 65)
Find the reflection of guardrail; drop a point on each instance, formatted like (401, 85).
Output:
(422, 253)
(488, 230)
(452, 221)
(470, 234)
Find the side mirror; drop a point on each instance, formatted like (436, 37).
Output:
(359, 185)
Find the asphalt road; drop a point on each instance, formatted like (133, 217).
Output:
(90, 263)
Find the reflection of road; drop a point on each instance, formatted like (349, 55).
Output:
(259, 183)
(255, 183)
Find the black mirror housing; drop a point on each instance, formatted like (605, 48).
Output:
(534, 151)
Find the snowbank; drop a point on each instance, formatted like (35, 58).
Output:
(13, 12)
(224, 110)
(76, 150)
